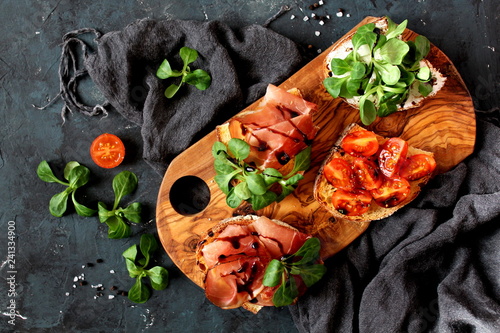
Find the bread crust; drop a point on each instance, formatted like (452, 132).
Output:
(323, 190)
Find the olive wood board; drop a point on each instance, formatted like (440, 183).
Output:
(444, 124)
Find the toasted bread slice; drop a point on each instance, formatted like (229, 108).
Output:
(414, 99)
(212, 235)
(323, 190)
(224, 135)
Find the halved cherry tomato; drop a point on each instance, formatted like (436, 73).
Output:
(417, 166)
(392, 192)
(340, 174)
(351, 203)
(392, 155)
(367, 173)
(361, 142)
(107, 151)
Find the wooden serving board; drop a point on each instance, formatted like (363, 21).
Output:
(444, 124)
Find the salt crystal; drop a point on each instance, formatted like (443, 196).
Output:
(292, 17)
(75, 279)
(74, 286)
(348, 15)
(340, 14)
(111, 296)
(67, 294)
(328, 16)
(320, 2)
(317, 33)
(313, 15)
(112, 271)
(321, 22)
(306, 18)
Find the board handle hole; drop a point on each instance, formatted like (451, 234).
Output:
(189, 195)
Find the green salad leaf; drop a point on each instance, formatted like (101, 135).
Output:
(302, 263)
(380, 69)
(198, 78)
(137, 259)
(76, 175)
(242, 182)
(123, 184)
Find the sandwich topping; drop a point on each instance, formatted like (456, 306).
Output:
(379, 73)
(279, 129)
(249, 165)
(236, 259)
(366, 170)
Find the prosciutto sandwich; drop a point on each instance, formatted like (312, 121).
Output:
(262, 153)
(234, 256)
(277, 129)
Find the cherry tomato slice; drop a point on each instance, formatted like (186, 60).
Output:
(352, 203)
(340, 174)
(360, 143)
(392, 155)
(417, 166)
(367, 173)
(107, 151)
(392, 192)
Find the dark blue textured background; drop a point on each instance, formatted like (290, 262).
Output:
(51, 252)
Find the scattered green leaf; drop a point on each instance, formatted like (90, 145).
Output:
(76, 175)
(198, 78)
(137, 260)
(124, 183)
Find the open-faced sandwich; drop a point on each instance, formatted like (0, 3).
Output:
(368, 177)
(251, 262)
(378, 72)
(262, 153)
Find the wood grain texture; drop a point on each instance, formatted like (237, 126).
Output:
(443, 124)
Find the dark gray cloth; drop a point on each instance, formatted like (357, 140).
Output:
(241, 62)
(432, 266)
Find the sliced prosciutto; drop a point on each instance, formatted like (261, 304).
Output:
(280, 128)
(229, 285)
(268, 115)
(282, 141)
(288, 240)
(237, 259)
(233, 241)
(278, 96)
